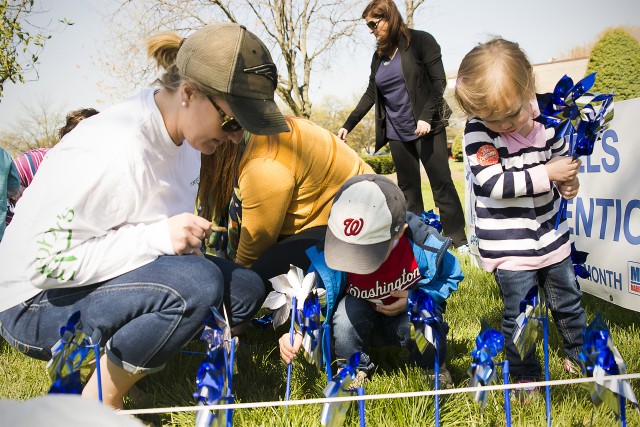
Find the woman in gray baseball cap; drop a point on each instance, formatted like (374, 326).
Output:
(107, 227)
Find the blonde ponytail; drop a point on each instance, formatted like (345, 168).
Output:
(163, 48)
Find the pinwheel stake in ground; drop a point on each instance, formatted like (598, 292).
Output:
(581, 123)
(289, 293)
(600, 358)
(73, 351)
(215, 373)
(425, 321)
(333, 414)
(482, 372)
(533, 312)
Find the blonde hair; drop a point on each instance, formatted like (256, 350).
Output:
(163, 48)
(493, 79)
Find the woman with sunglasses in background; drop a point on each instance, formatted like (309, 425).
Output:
(107, 227)
(406, 85)
(281, 188)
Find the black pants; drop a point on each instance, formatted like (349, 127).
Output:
(290, 251)
(431, 150)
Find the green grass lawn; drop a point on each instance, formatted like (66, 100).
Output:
(262, 377)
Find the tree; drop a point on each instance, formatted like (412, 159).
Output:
(616, 59)
(410, 7)
(37, 128)
(332, 113)
(21, 42)
(298, 33)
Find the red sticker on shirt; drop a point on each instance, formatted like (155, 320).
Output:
(487, 155)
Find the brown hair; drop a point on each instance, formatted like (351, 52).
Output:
(217, 173)
(219, 170)
(492, 77)
(74, 117)
(396, 28)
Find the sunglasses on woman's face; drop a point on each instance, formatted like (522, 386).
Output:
(374, 24)
(229, 124)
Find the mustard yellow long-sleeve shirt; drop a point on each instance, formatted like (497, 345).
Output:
(289, 188)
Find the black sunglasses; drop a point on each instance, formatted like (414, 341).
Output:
(374, 24)
(229, 124)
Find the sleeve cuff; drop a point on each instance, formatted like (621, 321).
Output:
(540, 179)
(158, 237)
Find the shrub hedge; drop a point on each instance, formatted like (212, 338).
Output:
(382, 165)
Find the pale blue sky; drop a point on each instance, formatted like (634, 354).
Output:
(547, 28)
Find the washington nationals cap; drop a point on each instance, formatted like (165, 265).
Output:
(367, 213)
(229, 59)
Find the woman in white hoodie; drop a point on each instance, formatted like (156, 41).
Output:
(107, 226)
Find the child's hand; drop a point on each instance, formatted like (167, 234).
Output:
(569, 189)
(562, 168)
(398, 306)
(287, 351)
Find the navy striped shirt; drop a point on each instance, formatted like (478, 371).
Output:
(516, 204)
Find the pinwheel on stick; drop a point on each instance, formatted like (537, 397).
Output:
(290, 291)
(580, 123)
(482, 372)
(600, 358)
(215, 373)
(70, 354)
(425, 321)
(334, 414)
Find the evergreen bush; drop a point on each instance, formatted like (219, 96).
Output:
(616, 59)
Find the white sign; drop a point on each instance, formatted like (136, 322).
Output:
(604, 219)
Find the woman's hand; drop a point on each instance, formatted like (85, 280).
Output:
(287, 351)
(422, 128)
(187, 232)
(562, 168)
(569, 189)
(396, 307)
(342, 134)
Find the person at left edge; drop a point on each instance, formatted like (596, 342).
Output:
(107, 225)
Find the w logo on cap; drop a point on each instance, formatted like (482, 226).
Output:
(353, 227)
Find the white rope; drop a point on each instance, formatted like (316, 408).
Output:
(253, 405)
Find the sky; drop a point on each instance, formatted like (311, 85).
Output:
(68, 70)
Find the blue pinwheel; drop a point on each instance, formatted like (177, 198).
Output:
(600, 358)
(310, 320)
(431, 219)
(334, 414)
(425, 321)
(528, 322)
(69, 355)
(482, 372)
(215, 373)
(578, 258)
(580, 124)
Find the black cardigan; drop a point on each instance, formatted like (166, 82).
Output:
(425, 79)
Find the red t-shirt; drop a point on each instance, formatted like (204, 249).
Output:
(397, 273)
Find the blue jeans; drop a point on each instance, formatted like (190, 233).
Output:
(358, 326)
(563, 299)
(143, 317)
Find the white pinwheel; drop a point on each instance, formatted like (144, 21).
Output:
(285, 288)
